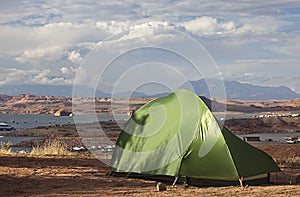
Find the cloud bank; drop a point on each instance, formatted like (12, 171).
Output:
(45, 42)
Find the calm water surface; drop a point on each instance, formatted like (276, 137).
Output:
(24, 121)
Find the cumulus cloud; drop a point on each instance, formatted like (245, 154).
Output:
(65, 70)
(33, 76)
(13, 75)
(53, 36)
(45, 77)
(114, 27)
(74, 56)
(208, 26)
(68, 72)
(40, 55)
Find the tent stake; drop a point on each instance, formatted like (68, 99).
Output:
(175, 181)
(241, 181)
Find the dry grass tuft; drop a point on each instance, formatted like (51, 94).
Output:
(52, 147)
(5, 147)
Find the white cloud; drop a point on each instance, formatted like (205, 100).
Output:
(208, 26)
(68, 72)
(52, 36)
(65, 70)
(16, 39)
(33, 76)
(44, 77)
(13, 75)
(41, 55)
(75, 57)
(114, 27)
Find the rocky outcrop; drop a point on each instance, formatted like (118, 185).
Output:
(31, 104)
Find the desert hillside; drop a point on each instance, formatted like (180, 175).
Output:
(31, 104)
(276, 124)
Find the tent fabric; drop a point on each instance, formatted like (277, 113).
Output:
(177, 135)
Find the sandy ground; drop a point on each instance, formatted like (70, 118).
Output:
(25, 175)
(83, 175)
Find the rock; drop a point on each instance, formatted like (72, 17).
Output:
(298, 179)
(62, 113)
(161, 187)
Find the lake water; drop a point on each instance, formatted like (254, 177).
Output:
(24, 121)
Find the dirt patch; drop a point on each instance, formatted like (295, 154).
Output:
(22, 176)
(264, 125)
(82, 175)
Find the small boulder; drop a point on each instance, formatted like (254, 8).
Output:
(161, 187)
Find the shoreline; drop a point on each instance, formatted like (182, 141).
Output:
(239, 126)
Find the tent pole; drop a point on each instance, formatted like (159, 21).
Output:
(175, 181)
(127, 175)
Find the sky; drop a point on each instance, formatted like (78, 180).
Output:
(104, 43)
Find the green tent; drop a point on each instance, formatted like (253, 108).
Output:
(178, 136)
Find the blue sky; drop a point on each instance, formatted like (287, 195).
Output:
(45, 42)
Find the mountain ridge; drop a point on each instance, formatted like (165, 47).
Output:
(243, 91)
(234, 91)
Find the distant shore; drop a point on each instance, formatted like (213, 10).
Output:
(31, 104)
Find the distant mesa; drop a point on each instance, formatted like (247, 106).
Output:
(63, 113)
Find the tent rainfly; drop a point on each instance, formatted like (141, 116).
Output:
(177, 138)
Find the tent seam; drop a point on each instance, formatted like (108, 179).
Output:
(230, 154)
